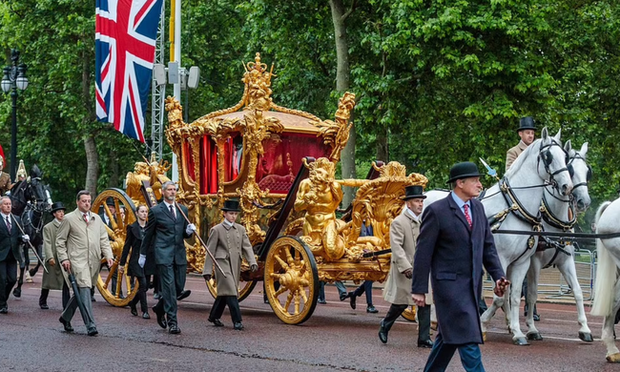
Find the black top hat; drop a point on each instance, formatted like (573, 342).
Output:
(231, 205)
(414, 192)
(462, 170)
(110, 201)
(526, 123)
(58, 206)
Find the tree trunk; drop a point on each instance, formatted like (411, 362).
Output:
(343, 74)
(92, 164)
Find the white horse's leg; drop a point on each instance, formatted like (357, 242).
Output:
(607, 336)
(567, 268)
(517, 274)
(533, 276)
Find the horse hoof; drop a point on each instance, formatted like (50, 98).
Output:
(534, 336)
(586, 337)
(17, 292)
(613, 358)
(520, 341)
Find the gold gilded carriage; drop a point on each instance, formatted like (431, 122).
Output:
(281, 165)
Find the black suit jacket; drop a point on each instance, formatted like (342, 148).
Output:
(10, 242)
(166, 235)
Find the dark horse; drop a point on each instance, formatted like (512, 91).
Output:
(30, 200)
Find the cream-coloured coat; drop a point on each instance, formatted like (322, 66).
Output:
(228, 244)
(83, 245)
(52, 279)
(404, 231)
(514, 153)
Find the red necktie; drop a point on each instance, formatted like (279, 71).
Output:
(467, 216)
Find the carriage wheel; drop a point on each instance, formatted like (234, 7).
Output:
(291, 280)
(409, 314)
(245, 288)
(124, 290)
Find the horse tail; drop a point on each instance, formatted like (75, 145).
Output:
(606, 270)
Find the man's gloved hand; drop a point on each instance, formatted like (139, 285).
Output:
(191, 228)
(254, 268)
(25, 238)
(142, 260)
(408, 273)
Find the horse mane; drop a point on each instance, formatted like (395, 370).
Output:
(514, 168)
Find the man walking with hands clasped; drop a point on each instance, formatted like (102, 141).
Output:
(455, 242)
(165, 231)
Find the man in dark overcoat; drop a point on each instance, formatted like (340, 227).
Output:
(455, 242)
(165, 231)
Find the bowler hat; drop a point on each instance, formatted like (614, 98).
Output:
(462, 170)
(526, 123)
(110, 201)
(58, 206)
(231, 205)
(414, 192)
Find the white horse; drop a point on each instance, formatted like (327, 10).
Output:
(607, 287)
(542, 162)
(561, 217)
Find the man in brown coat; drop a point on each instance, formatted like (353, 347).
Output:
(229, 243)
(527, 132)
(403, 234)
(81, 242)
(53, 278)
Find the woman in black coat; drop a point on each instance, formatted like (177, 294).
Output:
(135, 233)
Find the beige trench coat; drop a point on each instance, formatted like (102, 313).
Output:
(52, 279)
(228, 244)
(84, 246)
(403, 234)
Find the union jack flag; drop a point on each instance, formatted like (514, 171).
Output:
(125, 51)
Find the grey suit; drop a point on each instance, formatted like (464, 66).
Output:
(166, 234)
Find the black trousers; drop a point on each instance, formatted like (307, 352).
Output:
(8, 278)
(141, 295)
(66, 295)
(171, 277)
(233, 306)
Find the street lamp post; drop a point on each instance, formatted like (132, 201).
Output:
(14, 78)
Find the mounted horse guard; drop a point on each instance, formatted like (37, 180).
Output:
(280, 164)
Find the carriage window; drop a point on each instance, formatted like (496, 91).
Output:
(282, 156)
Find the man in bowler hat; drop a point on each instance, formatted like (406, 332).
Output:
(527, 132)
(404, 231)
(455, 242)
(229, 243)
(53, 278)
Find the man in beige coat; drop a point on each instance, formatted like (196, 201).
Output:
(403, 234)
(229, 243)
(527, 132)
(81, 242)
(53, 278)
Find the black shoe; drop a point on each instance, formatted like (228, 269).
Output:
(352, 299)
(183, 295)
(4, 310)
(174, 330)
(322, 302)
(146, 315)
(536, 317)
(216, 322)
(44, 307)
(383, 333)
(133, 310)
(161, 320)
(66, 324)
(427, 344)
(17, 292)
(92, 332)
(371, 309)
(238, 326)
